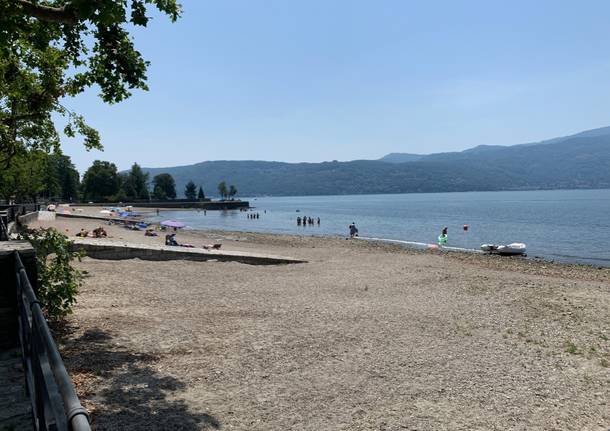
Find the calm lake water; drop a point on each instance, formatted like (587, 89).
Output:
(564, 225)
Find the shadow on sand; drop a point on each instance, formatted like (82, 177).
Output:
(128, 393)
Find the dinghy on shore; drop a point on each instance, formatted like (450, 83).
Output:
(514, 249)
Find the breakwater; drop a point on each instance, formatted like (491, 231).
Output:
(177, 203)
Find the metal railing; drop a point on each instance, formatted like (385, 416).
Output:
(3, 226)
(55, 405)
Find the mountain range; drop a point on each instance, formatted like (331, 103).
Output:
(572, 162)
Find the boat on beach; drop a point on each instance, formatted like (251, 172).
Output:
(514, 249)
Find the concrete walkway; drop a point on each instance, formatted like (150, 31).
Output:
(15, 409)
(112, 249)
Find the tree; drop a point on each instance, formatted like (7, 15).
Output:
(135, 183)
(200, 195)
(63, 178)
(164, 187)
(26, 178)
(56, 49)
(101, 181)
(222, 190)
(190, 191)
(232, 191)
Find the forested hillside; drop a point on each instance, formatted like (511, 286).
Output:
(579, 161)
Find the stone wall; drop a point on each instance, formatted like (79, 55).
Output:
(27, 218)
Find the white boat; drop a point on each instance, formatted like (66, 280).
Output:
(514, 249)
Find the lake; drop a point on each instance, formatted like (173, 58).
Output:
(563, 225)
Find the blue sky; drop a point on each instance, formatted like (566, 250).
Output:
(322, 80)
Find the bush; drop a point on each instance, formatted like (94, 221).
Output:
(58, 280)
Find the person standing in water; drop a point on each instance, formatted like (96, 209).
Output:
(353, 230)
(442, 238)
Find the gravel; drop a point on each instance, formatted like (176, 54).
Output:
(364, 336)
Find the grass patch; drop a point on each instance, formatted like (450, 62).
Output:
(571, 348)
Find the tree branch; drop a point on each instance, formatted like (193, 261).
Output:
(62, 15)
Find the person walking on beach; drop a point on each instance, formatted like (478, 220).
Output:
(353, 230)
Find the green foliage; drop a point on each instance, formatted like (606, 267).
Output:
(101, 181)
(232, 191)
(25, 178)
(58, 280)
(222, 189)
(54, 49)
(135, 183)
(121, 196)
(164, 187)
(62, 178)
(190, 191)
(200, 194)
(36, 173)
(571, 348)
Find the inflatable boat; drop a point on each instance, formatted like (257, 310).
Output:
(514, 249)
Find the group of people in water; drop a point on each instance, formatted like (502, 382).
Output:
(253, 216)
(304, 221)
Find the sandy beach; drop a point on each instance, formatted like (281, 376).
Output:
(364, 336)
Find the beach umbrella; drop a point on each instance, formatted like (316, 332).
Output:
(172, 223)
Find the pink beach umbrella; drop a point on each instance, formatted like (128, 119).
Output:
(173, 223)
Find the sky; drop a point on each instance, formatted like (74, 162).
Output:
(318, 80)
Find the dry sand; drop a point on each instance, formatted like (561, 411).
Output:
(362, 337)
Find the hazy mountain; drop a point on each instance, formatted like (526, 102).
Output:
(401, 157)
(577, 161)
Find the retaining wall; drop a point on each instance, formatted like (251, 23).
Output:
(96, 249)
(27, 218)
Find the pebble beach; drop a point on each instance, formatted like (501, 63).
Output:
(362, 336)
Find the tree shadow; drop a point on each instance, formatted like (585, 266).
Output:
(126, 393)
